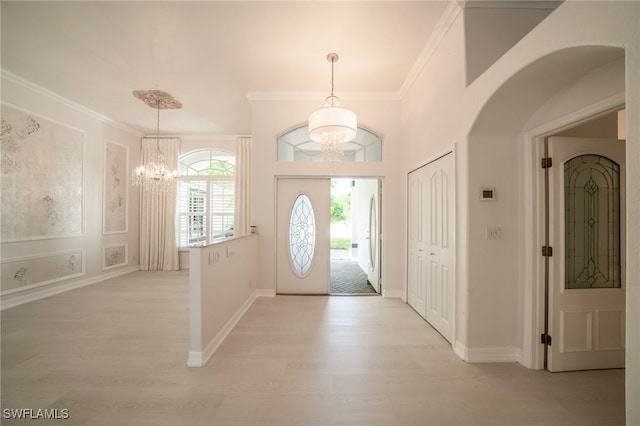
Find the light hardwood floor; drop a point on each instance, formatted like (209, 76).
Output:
(115, 353)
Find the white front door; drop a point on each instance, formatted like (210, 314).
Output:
(587, 289)
(431, 244)
(302, 236)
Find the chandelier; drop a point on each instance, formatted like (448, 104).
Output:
(332, 126)
(156, 176)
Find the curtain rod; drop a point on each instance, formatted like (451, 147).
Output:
(160, 137)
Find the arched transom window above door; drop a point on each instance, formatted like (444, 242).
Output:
(295, 145)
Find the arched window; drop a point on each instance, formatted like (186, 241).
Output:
(295, 145)
(205, 197)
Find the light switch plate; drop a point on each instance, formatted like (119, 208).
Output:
(495, 232)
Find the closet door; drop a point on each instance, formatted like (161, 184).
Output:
(416, 267)
(439, 245)
(430, 287)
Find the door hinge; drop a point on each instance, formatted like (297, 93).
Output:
(547, 251)
(545, 339)
(546, 162)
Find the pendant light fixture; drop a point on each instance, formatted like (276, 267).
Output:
(156, 176)
(332, 126)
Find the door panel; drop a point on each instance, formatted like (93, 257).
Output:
(439, 250)
(302, 236)
(416, 263)
(430, 263)
(586, 226)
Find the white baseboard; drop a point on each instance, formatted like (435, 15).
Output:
(461, 351)
(494, 354)
(15, 299)
(195, 359)
(262, 292)
(200, 358)
(488, 354)
(393, 294)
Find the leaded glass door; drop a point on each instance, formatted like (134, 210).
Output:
(303, 236)
(587, 290)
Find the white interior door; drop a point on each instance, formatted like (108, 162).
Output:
(587, 289)
(431, 244)
(439, 245)
(416, 274)
(302, 236)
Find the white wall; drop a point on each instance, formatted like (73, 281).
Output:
(97, 130)
(272, 117)
(222, 286)
(486, 120)
(492, 31)
(514, 103)
(432, 115)
(195, 142)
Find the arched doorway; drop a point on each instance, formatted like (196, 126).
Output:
(554, 93)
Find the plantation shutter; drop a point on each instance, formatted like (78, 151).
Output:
(192, 223)
(221, 208)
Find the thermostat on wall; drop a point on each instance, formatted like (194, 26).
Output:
(487, 194)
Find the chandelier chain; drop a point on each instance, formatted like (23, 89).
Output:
(155, 175)
(332, 126)
(332, 64)
(158, 129)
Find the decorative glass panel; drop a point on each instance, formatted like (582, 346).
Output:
(207, 162)
(295, 145)
(592, 222)
(302, 235)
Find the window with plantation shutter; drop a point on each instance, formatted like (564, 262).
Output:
(205, 197)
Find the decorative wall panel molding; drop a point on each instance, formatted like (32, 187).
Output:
(115, 256)
(23, 273)
(42, 177)
(116, 189)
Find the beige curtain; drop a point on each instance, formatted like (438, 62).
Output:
(243, 187)
(158, 248)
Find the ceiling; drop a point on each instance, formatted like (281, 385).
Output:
(211, 55)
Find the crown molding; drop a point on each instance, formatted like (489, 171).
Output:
(27, 84)
(508, 4)
(442, 28)
(308, 96)
(230, 138)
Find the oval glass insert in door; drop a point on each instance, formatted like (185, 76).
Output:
(302, 235)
